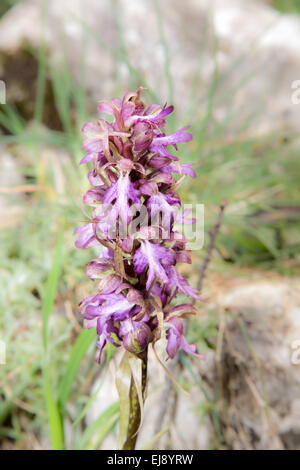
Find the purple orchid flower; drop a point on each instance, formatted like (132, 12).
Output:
(114, 306)
(154, 114)
(177, 341)
(133, 187)
(136, 336)
(166, 204)
(176, 280)
(120, 194)
(156, 257)
(86, 237)
(184, 169)
(97, 139)
(160, 142)
(105, 328)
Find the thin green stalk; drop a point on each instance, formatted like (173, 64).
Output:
(41, 79)
(167, 61)
(55, 418)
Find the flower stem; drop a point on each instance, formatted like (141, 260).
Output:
(135, 408)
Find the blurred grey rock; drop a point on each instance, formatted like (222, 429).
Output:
(260, 365)
(11, 210)
(256, 52)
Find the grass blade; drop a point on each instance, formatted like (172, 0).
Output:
(152, 443)
(55, 421)
(101, 422)
(87, 406)
(103, 431)
(51, 287)
(167, 64)
(82, 343)
(41, 78)
(123, 382)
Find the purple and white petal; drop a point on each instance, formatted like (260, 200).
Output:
(86, 237)
(120, 194)
(156, 257)
(176, 280)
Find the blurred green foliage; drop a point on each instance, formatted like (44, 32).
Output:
(287, 6)
(6, 5)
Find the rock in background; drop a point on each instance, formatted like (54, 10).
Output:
(260, 366)
(253, 378)
(253, 48)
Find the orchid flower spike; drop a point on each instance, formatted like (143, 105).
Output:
(134, 208)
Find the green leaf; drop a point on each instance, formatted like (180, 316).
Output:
(150, 445)
(55, 421)
(41, 78)
(51, 287)
(123, 381)
(103, 431)
(167, 64)
(212, 407)
(109, 416)
(82, 343)
(136, 373)
(131, 384)
(87, 406)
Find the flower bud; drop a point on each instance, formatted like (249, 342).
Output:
(142, 136)
(137, 340)
(125, 164)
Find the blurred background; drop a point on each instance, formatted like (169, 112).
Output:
(230, 68)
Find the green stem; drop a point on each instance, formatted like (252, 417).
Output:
(135, 410)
